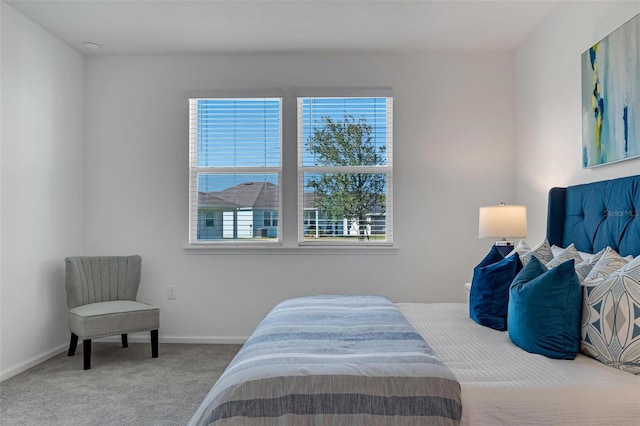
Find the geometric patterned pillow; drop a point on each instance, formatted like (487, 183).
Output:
(542, 251)
(610, 262)
(565, 254)
(583, 268)
(521, 249)
(611, 319)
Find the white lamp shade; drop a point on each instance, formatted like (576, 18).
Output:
(503, 221)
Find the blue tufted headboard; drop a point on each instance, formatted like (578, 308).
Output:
(596, 215)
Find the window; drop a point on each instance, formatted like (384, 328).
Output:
(209, 220)
(234, 169)
(345, 170)
(270, 218)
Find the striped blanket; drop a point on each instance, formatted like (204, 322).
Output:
(333, 360)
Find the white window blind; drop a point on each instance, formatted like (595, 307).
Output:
(345, 170)
(235, 174)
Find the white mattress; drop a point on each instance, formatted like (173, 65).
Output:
(503, 384)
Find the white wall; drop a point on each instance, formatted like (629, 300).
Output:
(42, 188)
(549, 104)
(453, 152)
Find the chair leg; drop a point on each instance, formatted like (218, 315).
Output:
(125, 342)
(154, 343)
(73, 345)
(86, 353)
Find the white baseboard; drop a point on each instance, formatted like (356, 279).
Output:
(133, 338)
(35, 360)
(209, 340)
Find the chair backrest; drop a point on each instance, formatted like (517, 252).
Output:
(101, 279)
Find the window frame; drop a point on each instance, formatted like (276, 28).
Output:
(195, 171)
(289, 208)
(386, 169)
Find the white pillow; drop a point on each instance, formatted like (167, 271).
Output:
(556, 250)
(564, 255)
(588, 256)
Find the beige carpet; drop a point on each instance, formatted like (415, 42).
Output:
(124, 386)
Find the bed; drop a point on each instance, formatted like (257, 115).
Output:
(504, 385)
(347, 360)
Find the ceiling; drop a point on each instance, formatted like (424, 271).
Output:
(267, 26)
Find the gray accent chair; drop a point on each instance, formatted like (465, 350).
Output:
(101, 296)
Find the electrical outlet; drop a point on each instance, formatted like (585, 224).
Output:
(171, 292)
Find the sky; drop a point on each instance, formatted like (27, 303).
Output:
(247, 132)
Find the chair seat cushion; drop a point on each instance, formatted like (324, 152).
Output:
(109, 318)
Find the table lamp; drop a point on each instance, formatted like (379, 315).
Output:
(503, 221)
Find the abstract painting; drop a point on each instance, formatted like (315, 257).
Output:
(611, 97)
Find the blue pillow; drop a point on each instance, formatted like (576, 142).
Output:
(544, 310)
(489, 294)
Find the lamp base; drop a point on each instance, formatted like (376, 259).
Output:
(504, 247)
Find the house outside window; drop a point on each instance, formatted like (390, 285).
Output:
(234, 169)
(345, 170)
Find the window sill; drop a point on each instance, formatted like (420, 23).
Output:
(278, 249)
